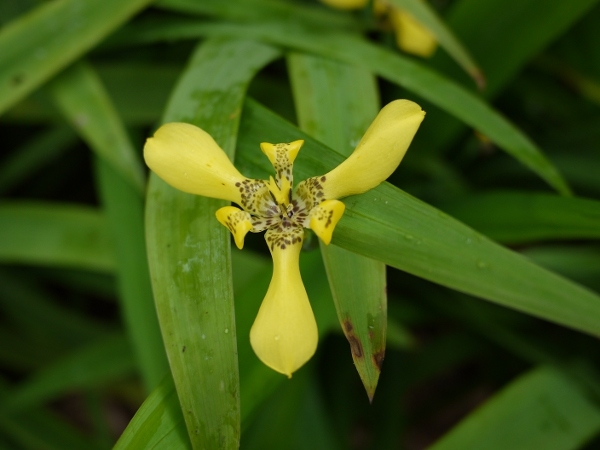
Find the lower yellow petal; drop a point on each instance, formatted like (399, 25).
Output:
(411, 35)
(190, 160)
(284, 335)
(324, 217)
(237, 221)
(378, 153)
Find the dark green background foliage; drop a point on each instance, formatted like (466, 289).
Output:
(119, 294)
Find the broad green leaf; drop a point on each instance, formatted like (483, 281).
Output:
(541, 409)
(55, 234)
(515, 217)
(124, 211)
(158, 424)
(45, 40)
(189, 250)
(425, 14)
(96, 364)
(29, 158)
(414, 76)
(81, 97)
(358, 284)
(391, 226)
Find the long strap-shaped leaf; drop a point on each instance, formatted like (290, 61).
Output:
(389, 225)
(81, 97)
(403, 71)
(542, 409)
(41, 43)
(189, 250)
(336, 103)
(517, 217)
(53, 234)
(425, 14)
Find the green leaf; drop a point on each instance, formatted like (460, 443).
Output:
(40, 43)
(81, 97)
(125, 213)
(252, 10)
(56, 235)
(516, 218)
(96, 364)
(415, 77)
(189, 250)
(391, 226)
(357, 283)
(503, 36)
(33, 155)
(158, 424)
(425, 14)
(542, 409)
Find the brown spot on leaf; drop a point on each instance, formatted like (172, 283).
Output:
(355, 346)
(183, 349)
(348, 326)
(378, 358)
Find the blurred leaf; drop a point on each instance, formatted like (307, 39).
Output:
(125, 214)
(579, 262)
(542, 409)
(252, 10)
(296, 408)
(56, 235)
(391, 226)
(414, 76)
(357, 283)
(42, 42)
(189, 250)
(37, 152)
(96, 364)
(503, 36)
(425, 14)
(158, 424)
(81, 97)
(40, 315)
(515, 217)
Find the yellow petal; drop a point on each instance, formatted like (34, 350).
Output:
(324, 217)
(190, 160)
(237, 221)
(378, 153)
(346, 4)
(281, 154)
(284, 335)
(411, 35)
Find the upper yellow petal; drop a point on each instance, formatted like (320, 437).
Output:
(190, 160)
(411, 35)
(284, 335)
(378, 153)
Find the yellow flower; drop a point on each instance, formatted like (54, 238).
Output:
(284, 335)
(411, 36)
